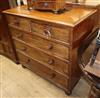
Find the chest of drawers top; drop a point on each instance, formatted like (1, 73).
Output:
(68, 18)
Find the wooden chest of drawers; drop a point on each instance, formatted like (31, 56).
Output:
(47, 43)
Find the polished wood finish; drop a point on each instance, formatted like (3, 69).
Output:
(44, 71)
(68, 18)
(47, 43)
(50, 61)
(49, 46)
(19, 22)
(91, 4)
(53, 32)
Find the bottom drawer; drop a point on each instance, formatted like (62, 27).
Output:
(42, 70)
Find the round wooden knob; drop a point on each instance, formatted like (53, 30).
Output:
(24, 49)
(50, 46)
(28, 61)
(53, 75)
(20, 35)
(51, 61)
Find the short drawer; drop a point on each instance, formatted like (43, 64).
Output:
(44, 71)
(48, 60)
(49, 31)
(20, 22)
(49, 46)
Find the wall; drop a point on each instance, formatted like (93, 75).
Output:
(12, 3)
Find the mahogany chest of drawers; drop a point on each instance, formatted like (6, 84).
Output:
(47, 43)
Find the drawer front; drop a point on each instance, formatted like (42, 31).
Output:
(44, 71)
(53, 32)
(48, 60)
(51, 47)
(19, 22)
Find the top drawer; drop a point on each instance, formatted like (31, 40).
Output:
(20, 22)
(53, 32)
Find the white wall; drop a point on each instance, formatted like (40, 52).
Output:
(92, 2)
(89, 2)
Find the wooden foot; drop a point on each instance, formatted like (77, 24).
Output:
(17, 62)
(68, 92)
(23, 66)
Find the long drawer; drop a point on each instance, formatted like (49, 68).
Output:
(19, 22)
(49, 31)
(44, 71)
(49, 46)
(50, 61)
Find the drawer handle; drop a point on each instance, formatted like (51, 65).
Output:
(46, 4)
(28, 61)
(50, 46)
(53, 75)
(24, 49)
(51, 61)
(20, 35)
(47, 33)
